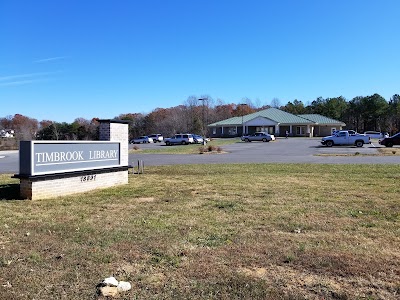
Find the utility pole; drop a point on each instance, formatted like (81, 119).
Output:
(203, 121)
(241, 110)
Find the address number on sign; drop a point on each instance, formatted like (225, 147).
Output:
(88, 178)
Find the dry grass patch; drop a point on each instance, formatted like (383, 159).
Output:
(145, 199)
(254, 231)
(380, 152)
(389, 151)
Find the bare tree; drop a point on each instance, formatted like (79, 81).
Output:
(6, 122)
(193, 114)
(276, 103)
(249, 103)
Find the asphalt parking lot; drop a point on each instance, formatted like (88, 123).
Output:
(291, 150)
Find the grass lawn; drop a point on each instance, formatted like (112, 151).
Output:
(185, 149)
(244, 231)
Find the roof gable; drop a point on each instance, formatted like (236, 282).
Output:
(280, 116)
(261, 121)
(273, 114)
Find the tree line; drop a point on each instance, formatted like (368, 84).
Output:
(361, 113)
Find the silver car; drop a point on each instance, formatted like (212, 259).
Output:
(258, 136)
(157, 137)
(142, 139)
(180, 139)
(198, 139)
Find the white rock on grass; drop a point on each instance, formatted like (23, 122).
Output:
(109, 291)
(124, 286)
(111, 281)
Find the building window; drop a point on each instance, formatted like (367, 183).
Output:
(268, 129)
(214, 130)
(300, 130)
(232, 131)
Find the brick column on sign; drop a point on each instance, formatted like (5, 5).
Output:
(116, 131)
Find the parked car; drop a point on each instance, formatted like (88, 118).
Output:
(391, 140)
(180, 139)
(345, 138)
(351, 132)
(6, 133)
(198, 139)
(142, 139)
(258, 136)
(157, 137)
(376, 134)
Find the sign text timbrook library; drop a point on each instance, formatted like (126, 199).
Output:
(56, 157)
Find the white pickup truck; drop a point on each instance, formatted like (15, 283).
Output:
(346, 137)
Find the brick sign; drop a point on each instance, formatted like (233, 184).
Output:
(51, 157)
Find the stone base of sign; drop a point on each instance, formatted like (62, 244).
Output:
(51, 186)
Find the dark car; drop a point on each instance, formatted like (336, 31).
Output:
(391, 140)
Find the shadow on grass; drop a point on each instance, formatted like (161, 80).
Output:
(9, 192)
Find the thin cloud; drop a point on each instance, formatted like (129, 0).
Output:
(28, 78)
(22, 82)
(49, 59)
(12, 77)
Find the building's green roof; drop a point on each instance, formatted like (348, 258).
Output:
(280, 116)
(274, 114)
(231, 121)
(318, 119)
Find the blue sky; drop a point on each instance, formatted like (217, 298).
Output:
(64, 59)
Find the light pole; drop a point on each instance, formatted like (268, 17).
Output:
(241, 109)
(203, 127)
